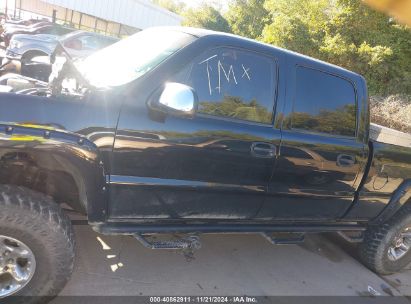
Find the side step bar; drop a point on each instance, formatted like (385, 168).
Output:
(294, 238)
(193, 242)
(352, 236)
(275, 234)
(190, 242)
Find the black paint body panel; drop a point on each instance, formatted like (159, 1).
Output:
(389, 170)
(122, 162)
(59, 146)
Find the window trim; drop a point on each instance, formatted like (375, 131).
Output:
(313, 132)
(276, 73)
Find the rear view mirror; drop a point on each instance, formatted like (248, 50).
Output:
(178, 99)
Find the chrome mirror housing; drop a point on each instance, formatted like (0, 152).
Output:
(179, 99)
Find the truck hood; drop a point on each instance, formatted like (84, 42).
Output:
(37, 38)
(58, 113)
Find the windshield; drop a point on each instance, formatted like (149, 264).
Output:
(132, 57)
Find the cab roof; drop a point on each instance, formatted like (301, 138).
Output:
(253, 44)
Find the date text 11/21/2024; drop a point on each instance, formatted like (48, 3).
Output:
(203, 299)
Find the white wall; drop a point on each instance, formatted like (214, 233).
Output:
(10, 4)
(136, 13)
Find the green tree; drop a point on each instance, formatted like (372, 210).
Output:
(346, 33)
(370, 43)
(206, 16)
(247, 17)
(298, 25)
(174, 6)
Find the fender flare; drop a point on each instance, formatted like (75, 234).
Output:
(398, 199)
(51, 160)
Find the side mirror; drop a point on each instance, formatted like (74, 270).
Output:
(178, 99)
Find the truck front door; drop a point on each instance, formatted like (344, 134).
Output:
(214, 166)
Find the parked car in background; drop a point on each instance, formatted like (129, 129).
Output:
(77, 44)
(24, 47)
(7, 23)
(11, 26)
(81, 44)
(24, 22)
(39, 28)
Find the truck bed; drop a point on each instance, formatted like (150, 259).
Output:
(389, 136)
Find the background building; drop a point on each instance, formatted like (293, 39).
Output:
(111, 17)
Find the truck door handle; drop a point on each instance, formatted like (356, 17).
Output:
(345, 160)
(263, 150)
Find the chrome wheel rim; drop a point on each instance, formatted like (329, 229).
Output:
(17, 265)
(401, 245)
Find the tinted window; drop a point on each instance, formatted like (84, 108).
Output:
(53, 30)
(89, 42)
(324, 103)
(104, 42)
(236, 84)
(57, 30)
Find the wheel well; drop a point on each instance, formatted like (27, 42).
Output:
(400, 199)
(32, 53)
(19, 169)
(406, 205)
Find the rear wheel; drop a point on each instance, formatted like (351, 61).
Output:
(387, 248)
(36, 246)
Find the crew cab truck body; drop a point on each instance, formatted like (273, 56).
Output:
(212, 133)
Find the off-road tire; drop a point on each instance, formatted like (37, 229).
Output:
(377, 240)
(38, 222)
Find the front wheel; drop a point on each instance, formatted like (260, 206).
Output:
(387, 248)
(36, 246)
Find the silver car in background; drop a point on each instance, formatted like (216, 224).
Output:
(78, 44)
(29, 55)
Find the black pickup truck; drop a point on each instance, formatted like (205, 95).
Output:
(184, 131)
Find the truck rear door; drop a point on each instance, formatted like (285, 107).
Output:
(322, 153)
